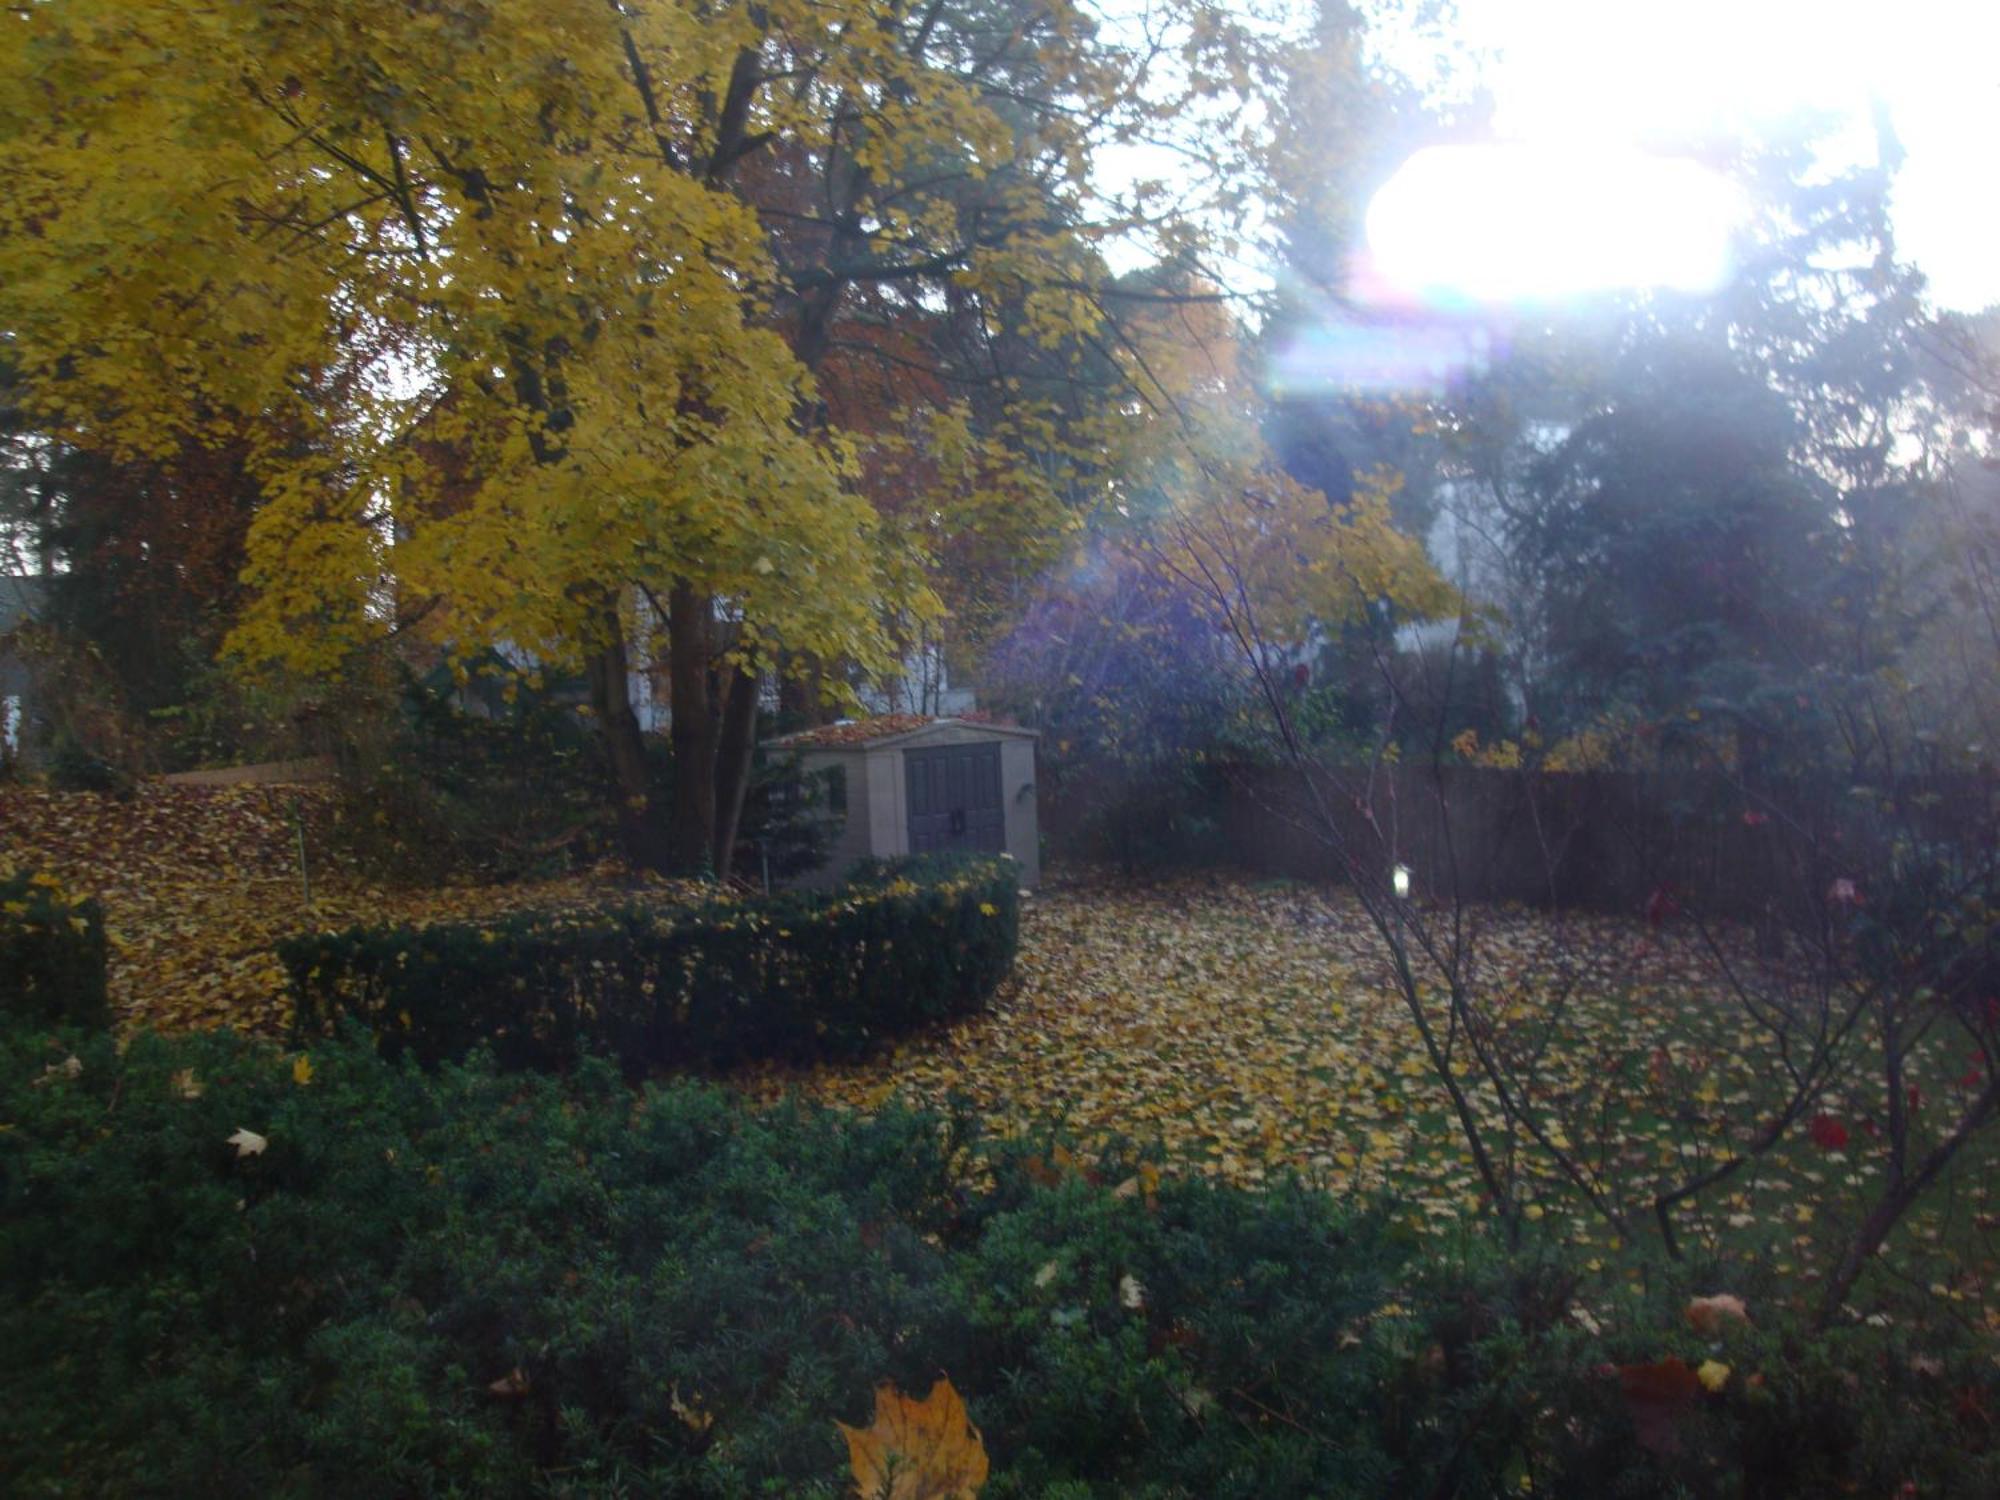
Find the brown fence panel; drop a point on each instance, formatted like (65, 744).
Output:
(1601, 840)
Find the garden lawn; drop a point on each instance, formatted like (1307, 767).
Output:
(1244, 1030)
(1248, 1030)
(199, 883)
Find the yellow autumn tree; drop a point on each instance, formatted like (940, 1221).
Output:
(521, 309)
(1268, 560)
(498, 358)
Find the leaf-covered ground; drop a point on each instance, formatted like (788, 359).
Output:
(199, 883)
(1250, 1030)
(1247, 1029)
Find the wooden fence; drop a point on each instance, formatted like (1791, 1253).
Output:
(1606, 841)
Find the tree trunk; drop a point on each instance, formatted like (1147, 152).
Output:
(611, 700)
(691, 836)
(736, 746)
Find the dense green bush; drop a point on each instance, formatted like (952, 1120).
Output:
(52, 952)
(464, 1282)
(790, 818)
(797, 975)
(487, 775)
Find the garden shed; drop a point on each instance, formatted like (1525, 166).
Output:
(912, 784)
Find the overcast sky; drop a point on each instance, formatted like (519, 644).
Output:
(1606, 70)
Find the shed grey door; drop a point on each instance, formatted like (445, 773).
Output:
(954, 794)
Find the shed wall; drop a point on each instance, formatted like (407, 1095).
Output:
(1017, 793)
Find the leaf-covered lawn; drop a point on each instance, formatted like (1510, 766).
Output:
(199, 883)
(1249, 1029)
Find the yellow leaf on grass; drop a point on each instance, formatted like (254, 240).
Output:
(917, 1450)
(248, 1143)
(1712, 1374)
(302, 1069)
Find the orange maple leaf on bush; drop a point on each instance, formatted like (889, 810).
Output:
(917, 1450)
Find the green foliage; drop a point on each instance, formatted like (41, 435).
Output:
(52, 953)
(1510, 1383)
(1721, 517)
(1683, 557)
(790, 975)
(1188, 1341)
(467, 1282)
(75, 767)
(330, 1316)
(790, 818)
(1930, 922)
(490, 777)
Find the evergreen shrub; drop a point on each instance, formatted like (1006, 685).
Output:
(797, 975)
(53, 955)
(225, 1270)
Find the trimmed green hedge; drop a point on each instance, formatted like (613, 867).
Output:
(53, 956)
(797, 975)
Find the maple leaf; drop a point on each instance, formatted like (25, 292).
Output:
(302, 1069)
(1828, 1133)
(917, 1450)
(1713, 1375)
(247, 1143)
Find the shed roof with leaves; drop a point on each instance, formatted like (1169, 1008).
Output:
(888, 729)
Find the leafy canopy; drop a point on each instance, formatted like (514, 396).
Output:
(494, 347)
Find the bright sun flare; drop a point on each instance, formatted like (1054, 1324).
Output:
(1522, 222)
(1611, 74)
